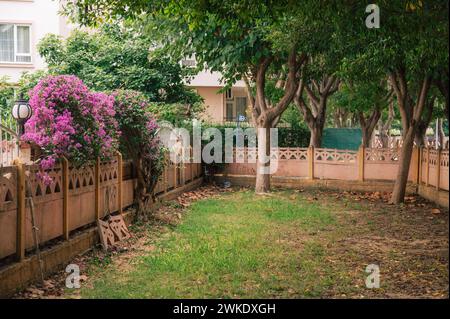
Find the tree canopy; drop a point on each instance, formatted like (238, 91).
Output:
(117, 57)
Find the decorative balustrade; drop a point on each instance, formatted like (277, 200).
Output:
(365, 164)
(335, 156)
(381, 155)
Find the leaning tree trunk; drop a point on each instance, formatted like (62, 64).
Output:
(399, 191)
(423, 123)
(411, 115)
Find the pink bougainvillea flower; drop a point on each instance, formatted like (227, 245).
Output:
(69, 120)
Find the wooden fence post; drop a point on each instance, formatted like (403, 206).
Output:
(191, 163)
(311, 162)
(119, 182)
(97, 188)
(21, 211)
(166, 164)
(361, 156)
(427, 176)
(175, 177)
(65, 191)
(438, 169)
(419, 170)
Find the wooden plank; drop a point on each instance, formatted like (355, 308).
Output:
(419, 172)
(21, 211)
(65, 191)
(311, 162)
(361, 155)
(427, 181)
(438, 169)
(97, 189)
(175, 177)
(120, 182)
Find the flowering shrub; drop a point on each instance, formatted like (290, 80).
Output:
(139, 141)
(69, 120)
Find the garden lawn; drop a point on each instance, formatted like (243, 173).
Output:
(287, 244)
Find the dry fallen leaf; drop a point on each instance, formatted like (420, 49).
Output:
(435, 211)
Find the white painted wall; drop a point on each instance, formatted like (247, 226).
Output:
(43, 17)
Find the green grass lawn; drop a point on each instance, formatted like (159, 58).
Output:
(240, 245)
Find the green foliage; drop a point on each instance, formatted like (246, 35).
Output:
(6, 97)
(28, 80)
(229, 43)
(138, 139)
(117, 57)
(178, 114)
(10, 92)
(412, 36)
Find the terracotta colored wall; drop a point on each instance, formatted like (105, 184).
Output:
(48, 200)
(213, 102)
(379, 164)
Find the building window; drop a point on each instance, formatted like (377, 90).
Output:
(241, 106)
(229, 112)
(190, 63)
(15, 43)
(229, 94)
(235, 108)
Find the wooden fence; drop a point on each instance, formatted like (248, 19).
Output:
(74, 200)
(428, 166)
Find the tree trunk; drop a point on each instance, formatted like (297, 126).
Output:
(399, 191)
(384, 128)
(440, 133)
(411, 114)
(419, 138)
(384, 138)
(262, 184)
(366, 136)
(265, 115)
(142, 199)
(314, 114)
(368, 125)
(316, 135)
(422, 125)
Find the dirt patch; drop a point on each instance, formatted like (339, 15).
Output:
(408, 242)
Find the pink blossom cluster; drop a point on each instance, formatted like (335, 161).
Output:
(69, 120)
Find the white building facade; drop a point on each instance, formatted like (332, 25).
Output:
(23, 23)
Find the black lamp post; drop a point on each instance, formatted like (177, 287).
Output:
(21, 112)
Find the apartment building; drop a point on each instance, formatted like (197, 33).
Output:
(222, 106)
(22, 24)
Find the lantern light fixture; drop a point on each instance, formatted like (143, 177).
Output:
(21, 112)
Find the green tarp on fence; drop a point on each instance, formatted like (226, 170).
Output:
(342, 138)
